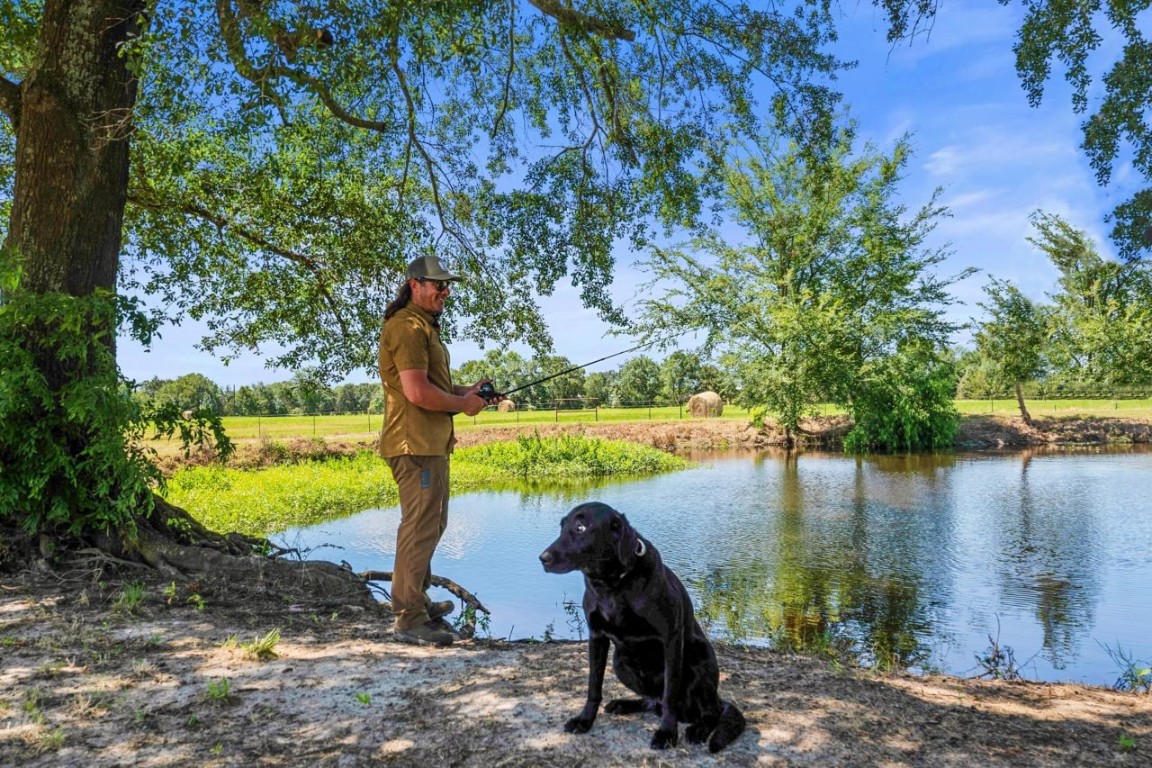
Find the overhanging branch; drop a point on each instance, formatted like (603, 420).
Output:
(223, 222)
(582, 21)
(10, 100)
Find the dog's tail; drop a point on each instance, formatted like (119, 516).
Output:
(729, 728)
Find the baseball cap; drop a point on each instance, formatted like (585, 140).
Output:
(428, 268)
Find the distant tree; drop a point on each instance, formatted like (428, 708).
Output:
(713, 379)
(284, 398)
(832, 277)
(505, 367)
(1102, 309)
(193, 391)
(352, 398)
(638, 382)
(680, 374)
(567, 386)
(1014, 337)
(246, 403)
(601, 387)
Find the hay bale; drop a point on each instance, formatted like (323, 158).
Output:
(505, 406)
(706, 405)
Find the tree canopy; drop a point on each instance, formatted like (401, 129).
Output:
(289, 159)
(1113, 91)
(828, 276)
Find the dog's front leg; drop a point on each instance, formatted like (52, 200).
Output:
(597, 660)
(667, 734)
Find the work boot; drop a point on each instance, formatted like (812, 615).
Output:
(428, 633)
(441, 609)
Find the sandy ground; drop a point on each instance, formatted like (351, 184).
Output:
(93, 673)
(86, 680)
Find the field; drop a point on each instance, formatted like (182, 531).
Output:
(366, 426)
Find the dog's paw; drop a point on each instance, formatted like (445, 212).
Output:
(697, 733)
(625, 706)
(663, 739)
(578, 724)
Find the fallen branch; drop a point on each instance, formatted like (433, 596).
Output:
(470, 600)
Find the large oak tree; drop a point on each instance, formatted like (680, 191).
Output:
(269, 167)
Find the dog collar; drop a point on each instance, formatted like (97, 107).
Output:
(641, 549)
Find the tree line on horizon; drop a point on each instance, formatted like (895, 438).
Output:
(1090, 339)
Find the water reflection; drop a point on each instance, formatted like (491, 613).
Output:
(909, 561)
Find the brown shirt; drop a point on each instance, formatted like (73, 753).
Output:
(409, 341)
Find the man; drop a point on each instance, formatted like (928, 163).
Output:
(417, 439)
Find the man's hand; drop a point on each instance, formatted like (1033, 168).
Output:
(473, 404)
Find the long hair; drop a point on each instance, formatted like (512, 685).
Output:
(403, 296)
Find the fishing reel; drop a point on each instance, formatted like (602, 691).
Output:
(487, 391)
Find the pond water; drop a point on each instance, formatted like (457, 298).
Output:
(926, 560)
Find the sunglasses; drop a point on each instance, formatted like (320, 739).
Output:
(441, 285)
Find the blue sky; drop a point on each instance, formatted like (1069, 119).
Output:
(955, 92)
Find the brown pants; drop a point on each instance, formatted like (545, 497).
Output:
(423, 484)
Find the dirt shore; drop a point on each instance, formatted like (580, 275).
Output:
(108, 667)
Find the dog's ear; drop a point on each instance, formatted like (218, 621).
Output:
(627, 541)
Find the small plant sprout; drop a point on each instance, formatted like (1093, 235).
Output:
(130, 597)
(262, 648)
(170, 593)
(50, 740)
(363, 697)
(1135, 675)
(219, 690)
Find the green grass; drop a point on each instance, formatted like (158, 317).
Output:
(364, 426)
(257, 502)
(1141, 409)
(264, 501)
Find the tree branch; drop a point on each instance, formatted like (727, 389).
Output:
(10, 100)
(582, 21)
(223, 222)
(470, 601)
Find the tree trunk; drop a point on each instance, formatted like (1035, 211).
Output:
(1020, 401)
(73, 124)
(72, 148)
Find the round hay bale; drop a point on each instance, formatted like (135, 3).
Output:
(706, 405)
(505, 406)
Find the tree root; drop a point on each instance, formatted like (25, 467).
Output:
(472, 605)
(174, 544)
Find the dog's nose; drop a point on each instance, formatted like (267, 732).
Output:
(546, 557)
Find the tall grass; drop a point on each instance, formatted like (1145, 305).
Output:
(258, 502)
(565, 456)
(264, 501)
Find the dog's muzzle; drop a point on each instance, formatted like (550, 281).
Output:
(553, 563)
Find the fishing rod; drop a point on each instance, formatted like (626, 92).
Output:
(488, 391)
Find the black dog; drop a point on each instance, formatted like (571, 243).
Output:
(633, 600)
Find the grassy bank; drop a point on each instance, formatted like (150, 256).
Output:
(365, 426)
(264, 501)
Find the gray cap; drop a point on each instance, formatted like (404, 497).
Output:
(428, 268)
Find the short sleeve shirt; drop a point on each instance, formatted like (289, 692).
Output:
(409, 341)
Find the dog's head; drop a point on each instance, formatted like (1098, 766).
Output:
(596, 540)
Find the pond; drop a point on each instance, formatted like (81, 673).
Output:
(925, 561)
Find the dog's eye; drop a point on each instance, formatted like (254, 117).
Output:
(580, 527)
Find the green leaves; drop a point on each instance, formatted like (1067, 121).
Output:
(281, 185)
(829, 280)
